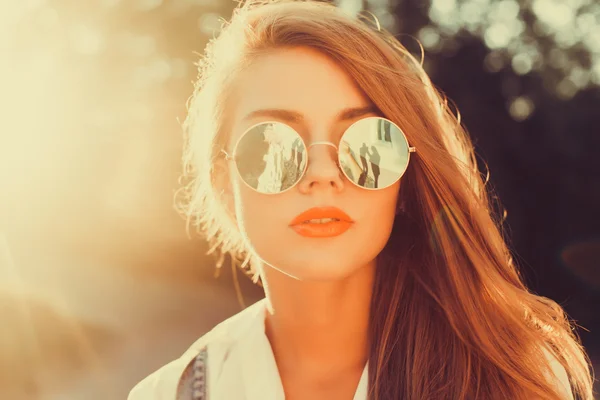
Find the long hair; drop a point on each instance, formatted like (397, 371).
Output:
(450, 317)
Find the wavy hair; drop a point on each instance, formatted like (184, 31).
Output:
(450, 316)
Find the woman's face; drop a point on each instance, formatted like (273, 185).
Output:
(316, 90)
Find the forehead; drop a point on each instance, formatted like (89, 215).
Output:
(299, 79)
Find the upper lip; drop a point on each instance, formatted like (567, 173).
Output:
(319, 213)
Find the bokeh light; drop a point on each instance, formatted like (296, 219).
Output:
(558, 40)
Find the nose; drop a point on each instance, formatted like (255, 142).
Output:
(322, 170)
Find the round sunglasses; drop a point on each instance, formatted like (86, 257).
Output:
(271, 157)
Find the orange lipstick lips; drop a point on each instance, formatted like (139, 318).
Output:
(321, 222)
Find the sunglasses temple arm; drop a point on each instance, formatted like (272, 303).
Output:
(227, 156)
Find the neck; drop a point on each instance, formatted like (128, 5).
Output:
(319, 327)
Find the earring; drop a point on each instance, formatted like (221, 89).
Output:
(401, 208)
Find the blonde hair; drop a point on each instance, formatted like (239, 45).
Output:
(450, 316)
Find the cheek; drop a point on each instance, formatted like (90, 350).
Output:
(254, 221)
(379, 212)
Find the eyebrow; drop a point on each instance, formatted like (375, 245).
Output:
(295, 116)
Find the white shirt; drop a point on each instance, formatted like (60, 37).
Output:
(240, 365)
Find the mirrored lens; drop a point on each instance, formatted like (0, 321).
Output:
(373, 153)
(270, 157)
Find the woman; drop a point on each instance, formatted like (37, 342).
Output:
(374, 158)
(406, 291)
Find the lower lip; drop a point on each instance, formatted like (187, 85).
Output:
(329, 229)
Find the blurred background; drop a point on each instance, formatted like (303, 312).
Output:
(100, 284)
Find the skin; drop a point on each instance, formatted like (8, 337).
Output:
(318, 289)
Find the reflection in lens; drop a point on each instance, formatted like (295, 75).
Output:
(373, 153)
(270, 157)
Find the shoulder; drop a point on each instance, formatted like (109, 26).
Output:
(162, 384)
(558, 375)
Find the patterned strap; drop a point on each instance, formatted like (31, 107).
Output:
(193, 382)
(199, 390)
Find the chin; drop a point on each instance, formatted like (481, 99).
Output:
(306, 269)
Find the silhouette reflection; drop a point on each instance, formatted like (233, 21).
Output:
(375, 158)
(373, 153)
(270, 157)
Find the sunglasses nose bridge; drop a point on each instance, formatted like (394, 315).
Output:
(322, 167)
(333, 153)
(325, 142)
